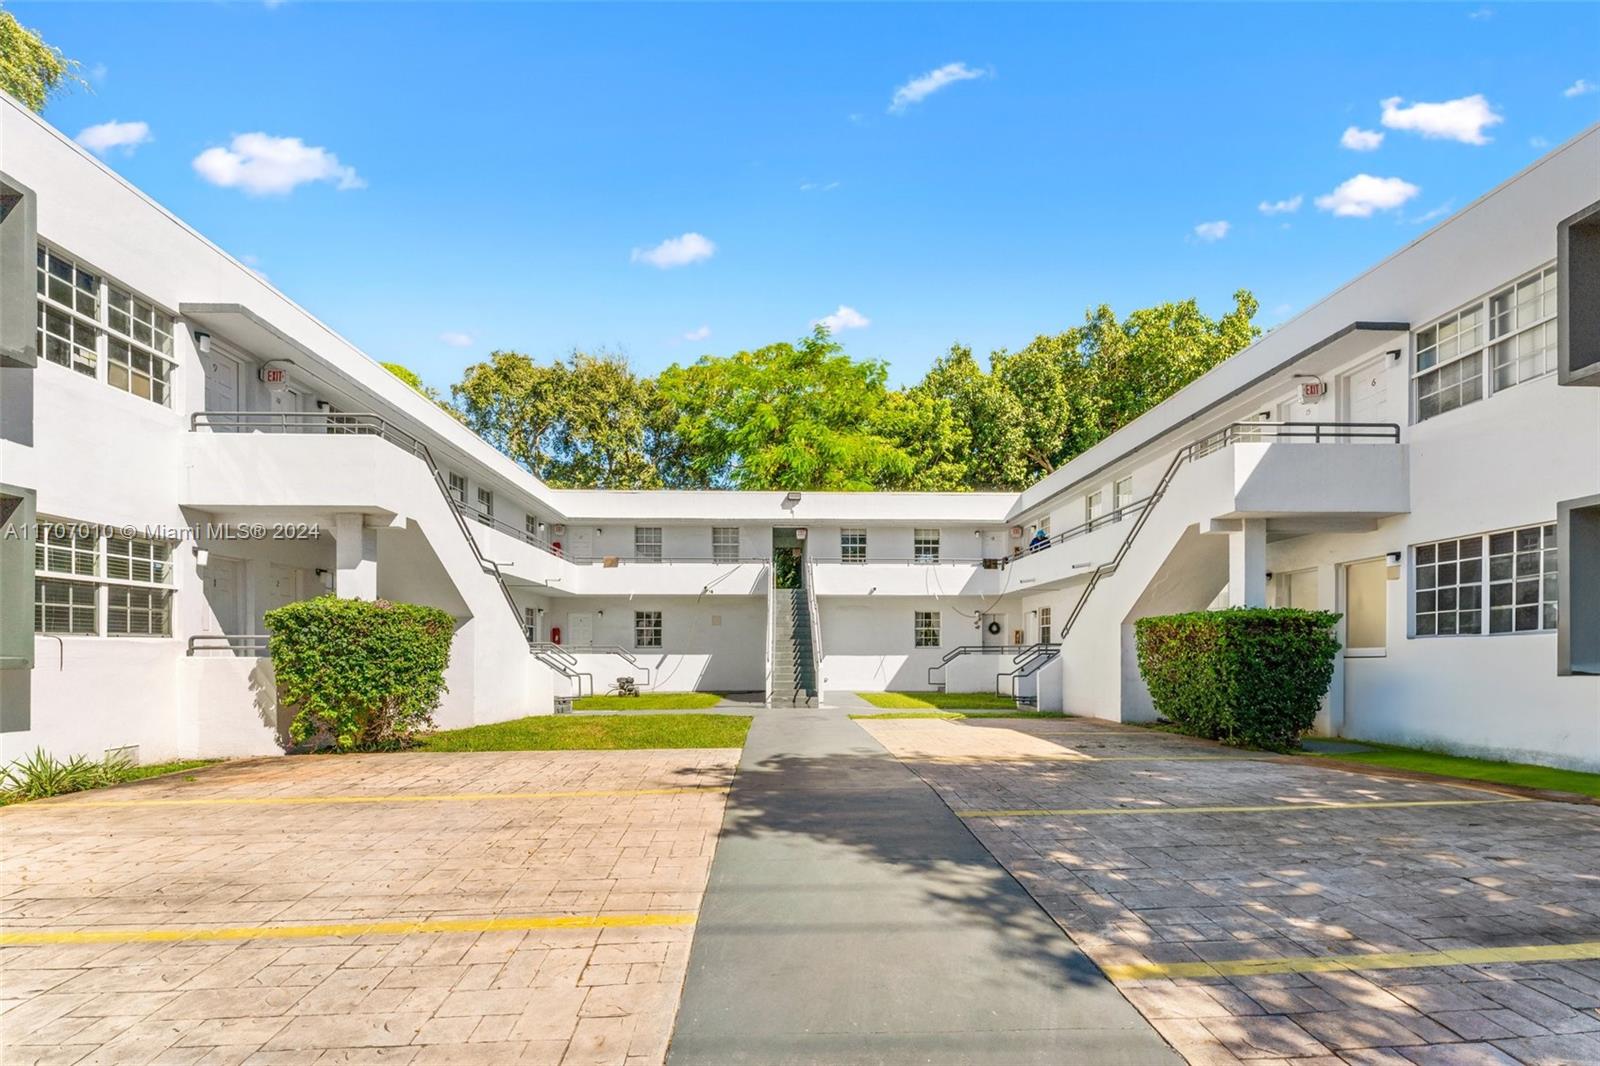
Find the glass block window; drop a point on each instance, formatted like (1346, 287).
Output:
(136, 612)
(135, 559)
(1522, 579)
(925, 546)
(65, 608)
(724, 544)
(647, 544)
(66, 549)
(852, 545)
(925, 629)
(86, 322)
(1448, 587)
(647, 629)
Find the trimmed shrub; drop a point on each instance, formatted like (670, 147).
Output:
(1252, 676)
(360, 674)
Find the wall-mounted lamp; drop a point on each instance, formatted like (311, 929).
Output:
(201, 557)
(202, 341)
(792, 498)
(1394, 558)
(600, 614)
(1394, 355)
(326, 577)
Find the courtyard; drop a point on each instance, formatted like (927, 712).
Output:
(1002, 890)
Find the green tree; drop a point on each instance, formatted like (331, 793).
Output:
(988, 421)
(603, 432)
(786, 416)
(31, 69)
(412, 378)
(925, 427)
(515, 404)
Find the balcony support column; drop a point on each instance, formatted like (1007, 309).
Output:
(355, 558)
(1247, 564)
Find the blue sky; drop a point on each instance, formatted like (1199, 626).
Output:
(672, 180)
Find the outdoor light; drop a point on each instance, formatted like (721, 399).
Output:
(793, 497)
(1394, 558)
(201, 557)
(202, 341)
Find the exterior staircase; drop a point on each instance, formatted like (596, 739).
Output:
(794, 667)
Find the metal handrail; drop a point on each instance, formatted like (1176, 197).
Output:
(772, 610)
(970, 649)
(254, 643)
(366, 424)
(1238, 432)
(483, 518)
(616, 650)
(565, 670)
(816, 627)
(559, 651)
(1027, 662)
(665, 560)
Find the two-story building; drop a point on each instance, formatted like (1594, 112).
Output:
(182, 448)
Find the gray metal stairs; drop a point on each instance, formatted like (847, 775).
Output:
(794, 668)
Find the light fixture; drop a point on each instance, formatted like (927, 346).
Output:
(201, 557)
(202, 341)
(792, 498)
(1394, 558)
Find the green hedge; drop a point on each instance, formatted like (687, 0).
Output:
(1250, 675)
(360, 673)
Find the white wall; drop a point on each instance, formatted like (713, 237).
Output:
(715, 644)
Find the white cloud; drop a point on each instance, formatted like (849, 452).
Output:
(843, 319)
(1212, 231)
(698, 334)
(98, 73)
(1461, 120)
(263, 165)
(1481, 14)
(676, 251)
(106, 136)
(1281, 207)
(924, 86)
(1581, 87)
(818, 186)
(1364, 195)
(1359, 140)
(456, 339)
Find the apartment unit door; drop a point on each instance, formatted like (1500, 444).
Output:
(1366, 393)
(280, 587)
(222, 381)
(224, 586)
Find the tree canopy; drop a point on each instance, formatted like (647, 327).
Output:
(30, 68)
(807, 415)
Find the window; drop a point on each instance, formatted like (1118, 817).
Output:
(925, 629)
(1094, 505)
(135, 559)
(135, 612)
(84, 321)
(925, 546)
(1522, 580)
(132, 573)
(1366, 607)
(64, 607)
(486, 507)
(724, 544)
(647, 544)
(530, 623)
(1451, 582)
(66, 549)
(852, 545)
(1447, 587)
(1512, 334)
(458, 489)
(647, 629)
(1044, 625)
(1121, 495)
(530, 529)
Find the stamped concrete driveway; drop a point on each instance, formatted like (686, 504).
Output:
(474, 907)
(1263, 910)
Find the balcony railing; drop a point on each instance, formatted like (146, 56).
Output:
(242, 644)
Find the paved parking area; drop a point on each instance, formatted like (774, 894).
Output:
(1263, 911)
(475, 907)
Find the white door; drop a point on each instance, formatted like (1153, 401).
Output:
(994, 630)
(1297, 589)
(284, 401)
(1366, 393)
(582, 625)
(1294, 411)
(224, 596)
(279, 587)
(222, 381)
(582, 544)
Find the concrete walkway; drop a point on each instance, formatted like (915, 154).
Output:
(852, 918)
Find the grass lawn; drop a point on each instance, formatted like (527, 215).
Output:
(953, 715)
(1499, 773)
(596, 733)
(650, 701)
(940, 701)
(161, 769)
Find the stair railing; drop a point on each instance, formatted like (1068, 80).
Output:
(968, 649)
(772, 611)
(564, 663)
(816, 627)
(619, 652)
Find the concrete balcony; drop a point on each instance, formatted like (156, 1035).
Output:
(1300, 487)
(909, 578)
(669, 577)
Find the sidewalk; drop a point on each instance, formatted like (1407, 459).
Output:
(852, 918)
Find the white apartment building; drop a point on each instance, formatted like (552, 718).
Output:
(182, 449)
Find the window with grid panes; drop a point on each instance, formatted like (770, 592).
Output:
(852, 545)
(85, 322)
(69, 312)
(1503, 339)
(136, 559)
(647, 544)
(458, 488)
(925, 546)
(64, 608)
(65, 549)
(1522, 325)
(724, 544)
(925, 629)
(138, 346)
(1522, 579)
(136, 612)
(647, 629)
(1510, 575)
(1448, 587)
(1044, 625)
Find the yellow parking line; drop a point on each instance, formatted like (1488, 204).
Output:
(343, 929)
(404, 797)
(1172, 758)
(1036, 812)
(1399, 960)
